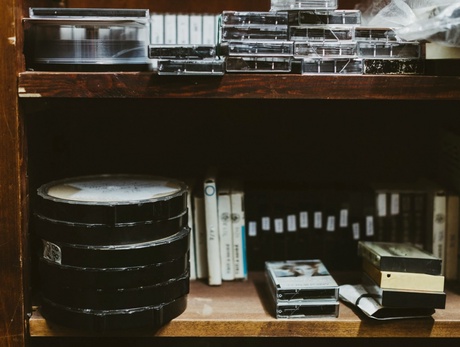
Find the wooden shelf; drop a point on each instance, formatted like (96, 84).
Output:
(237, 86)
(241, 309)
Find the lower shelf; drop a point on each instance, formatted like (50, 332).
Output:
(241, 309)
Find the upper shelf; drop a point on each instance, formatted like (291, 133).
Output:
(241, 309)
(256, 86)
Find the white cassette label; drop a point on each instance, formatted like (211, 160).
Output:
(381, 204)
(343, 222)
(369, 226)
(252, 229)
(52, 252)
(279, 225)
(318, 220)
(394, 207)
(303, 220)
(291, 223)
(266, 223)
(330, 223)
(356, 231)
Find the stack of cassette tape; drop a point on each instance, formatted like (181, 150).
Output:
(302, 289)
(113, 251)
(87, 39)
(313, 37)
(400, 275)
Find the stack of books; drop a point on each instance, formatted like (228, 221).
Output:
(401, 275)
(302, 289)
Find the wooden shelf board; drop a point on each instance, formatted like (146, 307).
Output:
(234, 86)
(241, 309)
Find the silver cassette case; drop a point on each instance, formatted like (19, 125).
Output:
(259, 64)
(276, 48)
(335, 17)
(191, 51)
(283, 5)
(346, 49)
(395, 50)
(182, 67)
(338, 66)
(254, 18)
(321, 33)
(253, 32)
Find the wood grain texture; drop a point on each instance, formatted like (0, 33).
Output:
(242, 309)
(234, 86)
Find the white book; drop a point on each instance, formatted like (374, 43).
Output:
(170, 29)
(225, 232)
(196, 29)
(183, 29)
(201, 253)
(239, 232)
(191, 225)
(209, 29)
(212, 230)
(157, 28)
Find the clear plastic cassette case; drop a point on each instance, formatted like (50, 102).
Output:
(293, 310)
(389, 50)
(164, 51)
(346, 17)
(261, 32)
(320, 33)
(177, 67)
(258, 64)
(325, 49)
(280, 5)
(375, 34)
(254, 18)
(258, 48)
(86, 36)
(332, 66)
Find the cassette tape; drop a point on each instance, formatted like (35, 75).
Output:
(332, 66)
(395, 50)
(320, 33)
(363, 33)
(235, 18)
(325, 49)
(393, 66)
(182, 67)
(111, 278)
(130, 255)
(111, 200)
(258, 64)
(314, 309)
(86, 37)
(258, 48)
(261, 32)
(117, 298)
(150, 317)
(191, 51)
(283, 5)
(335, 17)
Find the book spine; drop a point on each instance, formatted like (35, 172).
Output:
(191, 225)
(200, 237)
(225, 234)
(439, 228)
(212, 231)
(239, 233)
(452, 229)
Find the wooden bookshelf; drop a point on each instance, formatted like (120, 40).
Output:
(242, 309)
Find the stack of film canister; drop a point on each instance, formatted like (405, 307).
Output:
(113, 251)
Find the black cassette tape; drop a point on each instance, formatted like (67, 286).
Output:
(233, 18)
(130, 255)
(67, 38)
(394, 50)
(163, 51)
(345, 17)
(296, 310)
(320, 33)
(259, 64)
(111, 199)
(258, 48)
(393, 66)
(342, 49)
(262, 32)
(111, 278)
(148, 317)
(363, 33)
(332, 66)
(281, 5)
(184, 67)
(117, 298)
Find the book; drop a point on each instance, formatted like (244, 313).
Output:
(212, 229)
(225, 232)
(439, 226)
(201, 252)
(191, 225)
(394, 256)
(452, 230)
(239, 232)
(404, 298)
(300, 280)
(403, 280)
